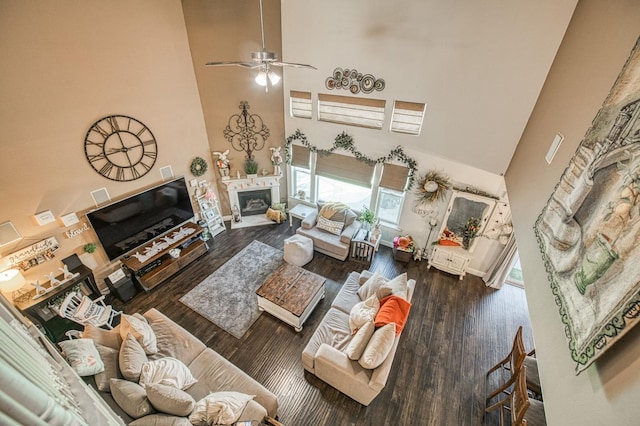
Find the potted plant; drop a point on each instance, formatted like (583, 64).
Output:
(367, 218)
(251, 167)
(87, 256)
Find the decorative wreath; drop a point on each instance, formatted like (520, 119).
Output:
(432, 186)
(198, 166)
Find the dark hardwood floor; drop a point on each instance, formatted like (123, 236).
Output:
(456, 331)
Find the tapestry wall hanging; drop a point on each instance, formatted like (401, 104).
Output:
(588, 231)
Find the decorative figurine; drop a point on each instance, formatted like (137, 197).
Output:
(417, 255)
(39, 289)
(65, 272)
(52, 278)
(223, 163)
(276, 160)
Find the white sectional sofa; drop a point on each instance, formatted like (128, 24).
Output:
(213, 372)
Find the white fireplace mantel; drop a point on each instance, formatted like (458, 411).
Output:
(234, 186)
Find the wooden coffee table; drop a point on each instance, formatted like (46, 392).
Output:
(291, 293)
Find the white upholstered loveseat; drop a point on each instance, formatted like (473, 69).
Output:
(325, 355)
(325, 242)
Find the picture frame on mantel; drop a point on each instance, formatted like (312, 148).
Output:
(588, 230)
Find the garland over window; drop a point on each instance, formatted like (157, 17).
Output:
(344, 141)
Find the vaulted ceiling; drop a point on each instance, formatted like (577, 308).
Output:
(479, 66)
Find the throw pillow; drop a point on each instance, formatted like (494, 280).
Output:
(363, 312)
(161, 420)
(359, 342)
(330, 225)
(170, 400)
(279, 206)
(82, 356)
(371, 286)
(141, 330)
(383, 291)
(393, 309)
(100, 336)
(131, 397)
(399, 286)
(350, 217)
(335, 211)
(131, 358)
(167, 371)
(109, 358)
(379, 347)
(222, 408)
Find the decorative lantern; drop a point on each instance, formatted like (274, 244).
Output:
(235, 212)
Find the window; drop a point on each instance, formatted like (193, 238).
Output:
(407, 117)
(301, 184)
(300, 104)
(389, 205)
(300, 173)
(354, 196)
(343, 178)
(350, 110)
(391, 193)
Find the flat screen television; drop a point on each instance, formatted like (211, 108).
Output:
(125, 225)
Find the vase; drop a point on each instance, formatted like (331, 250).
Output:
(597, 260)
(466, 242)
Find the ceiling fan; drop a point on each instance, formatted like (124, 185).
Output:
(264, 60)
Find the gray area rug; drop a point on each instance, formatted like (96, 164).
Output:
(227, 297)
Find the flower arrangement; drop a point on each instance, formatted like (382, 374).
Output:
(404, 243)
(469, 231)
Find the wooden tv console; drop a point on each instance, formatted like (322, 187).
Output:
(159, 267)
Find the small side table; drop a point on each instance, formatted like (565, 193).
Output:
(300, 211)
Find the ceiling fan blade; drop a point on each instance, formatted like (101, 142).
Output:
(228, 63)
(292, 64)
(262, 59)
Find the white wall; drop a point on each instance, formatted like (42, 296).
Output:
(479, 66)
(597, 44)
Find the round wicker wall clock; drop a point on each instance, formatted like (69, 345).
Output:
(120, 148)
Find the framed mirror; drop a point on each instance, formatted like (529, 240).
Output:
(465, 219)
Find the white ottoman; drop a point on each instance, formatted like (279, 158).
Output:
(298, 250)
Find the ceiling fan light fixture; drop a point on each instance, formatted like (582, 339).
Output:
(273, 78)
(261, 78)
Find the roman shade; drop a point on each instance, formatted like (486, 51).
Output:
(394, 177)
(300, 104)
(407, 117)
(360, 112)
(345, 168)
(299, 156)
